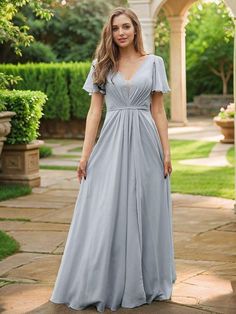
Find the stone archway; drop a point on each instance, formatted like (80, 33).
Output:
(176, 13)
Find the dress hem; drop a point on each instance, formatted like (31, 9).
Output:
(107, 306)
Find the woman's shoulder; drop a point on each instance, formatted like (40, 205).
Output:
(94, 61)
(156, 57)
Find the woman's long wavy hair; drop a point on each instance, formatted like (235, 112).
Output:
(107, 51)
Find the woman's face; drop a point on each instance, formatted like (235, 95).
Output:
(123, 31)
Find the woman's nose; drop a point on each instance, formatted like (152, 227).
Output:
(121, 31)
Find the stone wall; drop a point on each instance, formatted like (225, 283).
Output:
(208, 105)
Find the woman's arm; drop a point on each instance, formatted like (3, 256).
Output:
(159, 116)
(92, 122)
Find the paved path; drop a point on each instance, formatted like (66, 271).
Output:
(204, 236)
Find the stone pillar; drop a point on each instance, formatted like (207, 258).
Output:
(232, 5)
(142, 9)
(148, 25)
(178, 70)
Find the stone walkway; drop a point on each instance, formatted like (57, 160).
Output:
(204, 239)
(204, 236)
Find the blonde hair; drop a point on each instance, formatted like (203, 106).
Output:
(107, 51)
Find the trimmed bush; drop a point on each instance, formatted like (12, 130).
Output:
(61, 82)
(2, 106)
(45, 151)
(28, 106)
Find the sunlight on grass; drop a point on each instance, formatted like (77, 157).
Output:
(231, 156)
(190, 149)
(201, 180)
(211, 181)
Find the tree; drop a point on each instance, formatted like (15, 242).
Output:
(72, 35)
(18, 35)
(9, 32)
(210, 41)
(162, 37)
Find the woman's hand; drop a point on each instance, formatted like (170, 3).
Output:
(167, 165)
(81, 170)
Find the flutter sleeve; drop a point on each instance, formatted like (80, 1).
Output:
(91, 87)
(159, 78)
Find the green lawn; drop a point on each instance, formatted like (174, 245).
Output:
(77, 149)
(230, 156)
(66, 156)
(201, 180)
(13, 190)
(52, 167)
(62, 142)
(8, 245)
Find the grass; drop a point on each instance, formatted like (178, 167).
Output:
(14, 219)
(62, 142)
(4, 282)
(199, 180)
(45, 151)
(66, 156)
(77, 149)
(231, 156)
(49, 167)
(13, 190)
(8, 245)
(189, 149)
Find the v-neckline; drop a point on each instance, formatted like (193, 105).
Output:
(135, 73)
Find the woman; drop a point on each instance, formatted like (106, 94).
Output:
(119, 249)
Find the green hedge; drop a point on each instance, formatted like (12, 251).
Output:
(61, 82)
(45, 151)
(28, 106)
(2, 107)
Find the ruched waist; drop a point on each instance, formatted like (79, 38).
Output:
(129, 107)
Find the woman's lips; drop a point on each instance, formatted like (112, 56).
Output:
(122, 40)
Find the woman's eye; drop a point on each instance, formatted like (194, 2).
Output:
(114, 29)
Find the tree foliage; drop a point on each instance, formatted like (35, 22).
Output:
(19, 35)
(71, 35)
(210, 44)
(209, 47)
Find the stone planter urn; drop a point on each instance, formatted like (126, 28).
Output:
(227, 129)
(20, 164)
(225, 120)
(5, 126)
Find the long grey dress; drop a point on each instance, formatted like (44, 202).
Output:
(119, 250)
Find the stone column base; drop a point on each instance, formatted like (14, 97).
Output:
(20, 164)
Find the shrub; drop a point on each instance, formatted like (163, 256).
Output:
(28, 107)
(2, 106)
(61, 82)
(45, 151)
